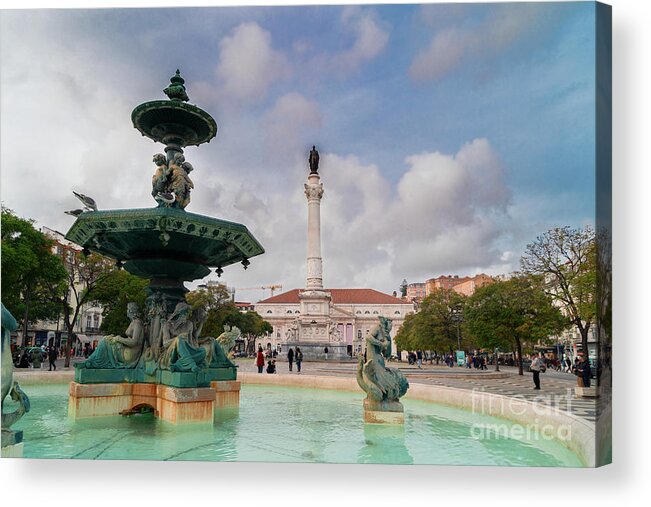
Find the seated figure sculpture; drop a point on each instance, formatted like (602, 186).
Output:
(217, 349)
(116, 351)
(180, 348)
(383, 386)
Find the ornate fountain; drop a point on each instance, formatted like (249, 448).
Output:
(162, 354)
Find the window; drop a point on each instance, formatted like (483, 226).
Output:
(396, 312)
(358, 312)
(367, 312)
(375, 312)
(289, 311)
(89, 321)
(269, 311)
(359, 334)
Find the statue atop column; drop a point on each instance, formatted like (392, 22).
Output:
(314, 160)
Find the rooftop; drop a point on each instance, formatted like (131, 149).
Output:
(341, 297)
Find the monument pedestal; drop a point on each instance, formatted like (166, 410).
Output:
(172, 404)
(227, 393)
(383, 412)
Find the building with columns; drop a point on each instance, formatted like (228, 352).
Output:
(325, 323)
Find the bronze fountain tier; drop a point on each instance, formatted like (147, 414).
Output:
(168, 246)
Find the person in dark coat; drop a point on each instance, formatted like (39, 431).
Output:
(299, 359)
(259, 361)
(290, 358)
(585, 371)
(52, 358)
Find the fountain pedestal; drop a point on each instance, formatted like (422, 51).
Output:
(171, 404)
(383, 413)
(227, 393)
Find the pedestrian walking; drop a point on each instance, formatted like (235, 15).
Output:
(299, 359)
(585, 372)
(259, 361)
(419, 358)
(52, 358)
(290, 358)
(536, 366)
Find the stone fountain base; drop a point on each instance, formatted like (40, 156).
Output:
(383, 412)
(171, 404)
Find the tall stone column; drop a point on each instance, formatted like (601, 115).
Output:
(314, 193)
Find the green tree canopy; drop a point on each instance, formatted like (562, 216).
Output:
(567, 260)
(28, 268)
(113, 292)
(436, 325)
(510, 314)
(222, 311)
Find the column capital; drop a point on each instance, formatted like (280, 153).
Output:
(314, 191)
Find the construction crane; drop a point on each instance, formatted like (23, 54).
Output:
(272, 288)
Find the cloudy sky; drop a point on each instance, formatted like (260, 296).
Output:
(450, 135)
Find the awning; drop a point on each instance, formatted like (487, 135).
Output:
(83, 338)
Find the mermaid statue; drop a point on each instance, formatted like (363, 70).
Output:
(116, 351)
(383, 386)
(181, 351)
(9, 385)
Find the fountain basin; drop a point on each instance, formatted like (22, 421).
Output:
(288, 424)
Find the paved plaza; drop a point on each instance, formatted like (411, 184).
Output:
(557, 388)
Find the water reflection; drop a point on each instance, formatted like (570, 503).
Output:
(384, 443)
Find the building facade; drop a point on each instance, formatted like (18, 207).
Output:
(351, 314)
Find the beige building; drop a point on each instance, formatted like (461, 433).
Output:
(466, 285)
(351, 314)
(90, 316)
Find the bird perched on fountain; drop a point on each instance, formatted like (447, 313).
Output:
(86, 201)
(166, 197)
(74, 212)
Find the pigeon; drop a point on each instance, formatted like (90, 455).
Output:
(87, 201)
(167, 197)
(74, 212)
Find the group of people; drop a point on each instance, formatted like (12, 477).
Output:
(477, 362)
(35, 357)
(293, 356)
(581, 369)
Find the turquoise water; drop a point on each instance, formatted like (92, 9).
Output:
(285, 424)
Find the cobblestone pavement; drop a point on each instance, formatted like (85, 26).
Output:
(557, 388)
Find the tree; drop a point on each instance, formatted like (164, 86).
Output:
(28, 268)
(84, 273)
(567, 260)
(511, 314)
(222, 311)
(436, 325)
(113, 292)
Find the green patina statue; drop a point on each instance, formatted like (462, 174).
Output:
(383, 386)
(9, 387)
(119, 351)
(217, 350)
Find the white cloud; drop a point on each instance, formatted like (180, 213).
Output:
(248, 64)
(454, 46)
(291, 123)
(370, 39)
